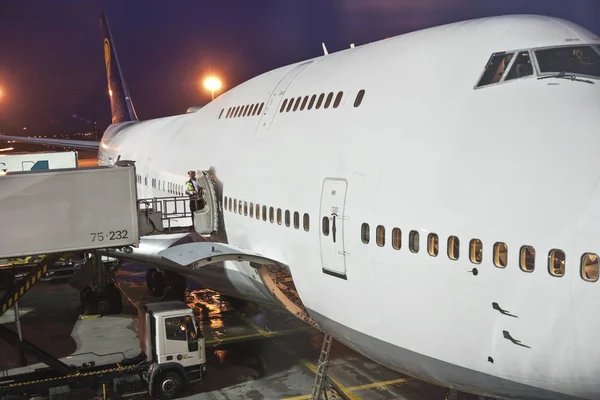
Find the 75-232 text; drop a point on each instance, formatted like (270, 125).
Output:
(111, 235)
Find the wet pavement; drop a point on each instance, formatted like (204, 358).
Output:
(252, 353)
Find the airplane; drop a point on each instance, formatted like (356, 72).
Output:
(431, 199)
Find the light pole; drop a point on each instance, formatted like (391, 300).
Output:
(212, 84)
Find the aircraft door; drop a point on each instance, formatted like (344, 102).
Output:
(333, 202)
(272, 105)
(206, 220)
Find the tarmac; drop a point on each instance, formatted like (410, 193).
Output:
(252, 353)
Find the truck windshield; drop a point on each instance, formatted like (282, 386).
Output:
(575, 60)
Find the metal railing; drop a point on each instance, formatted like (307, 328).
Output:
(171, 208)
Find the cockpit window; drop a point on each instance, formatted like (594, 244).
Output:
(578, 60)
(495, 68)
(522, 67)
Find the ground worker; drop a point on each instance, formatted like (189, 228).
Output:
(195, 192)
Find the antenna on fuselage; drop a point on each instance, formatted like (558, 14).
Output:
(324, 48)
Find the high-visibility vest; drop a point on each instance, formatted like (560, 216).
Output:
(190, 187)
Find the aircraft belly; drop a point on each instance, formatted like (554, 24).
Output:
(437, 371)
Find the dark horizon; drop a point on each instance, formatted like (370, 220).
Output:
(52, 65)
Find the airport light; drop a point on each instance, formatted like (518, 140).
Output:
(212, 83)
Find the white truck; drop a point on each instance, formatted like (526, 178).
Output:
(37, 161)
(172, 356)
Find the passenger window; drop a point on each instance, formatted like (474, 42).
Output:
(556, 262)
(264, 213)
(279, 216)
(328, 101)
(296, 220)
(221, 113)
(261, 107)
(240, 207)
(413, 241)
(365, 233)
(320, 101)
(476, 251)
(237, 111)
(235, 206)
(495, 68)
(396, 238)
(338, 100)
(251, 209)
(359, 98)
(306, 222)
(433, 244)
(230, 208)
(453, 248)
(283, 105)
(246, 108)
(298, 100)
(303, 106)
(326, 226)
(250, 112)
(289, 106)
(312, 101)
(500, 255)
(271, 214)
(589, 267)
(527, 259)
(287, 217)
(380, 236)
(246, 208)
(228, 113)
(257, 211)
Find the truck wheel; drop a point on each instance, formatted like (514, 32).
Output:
(90, 302)
(116, 301)
(168, 385)
(155, 282)
(177, 286)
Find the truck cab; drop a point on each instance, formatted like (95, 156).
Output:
(171, 339)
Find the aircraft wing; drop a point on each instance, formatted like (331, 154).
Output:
(74, 144)
(182, 252)
(199, 254)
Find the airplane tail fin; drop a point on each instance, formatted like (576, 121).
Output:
(120, 101)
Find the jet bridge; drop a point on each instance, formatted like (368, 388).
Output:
(59, 212)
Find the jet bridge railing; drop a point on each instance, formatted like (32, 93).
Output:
(164, 214)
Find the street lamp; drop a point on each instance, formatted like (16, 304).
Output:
(212, 83)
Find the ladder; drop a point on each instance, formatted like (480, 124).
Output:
(323, 365)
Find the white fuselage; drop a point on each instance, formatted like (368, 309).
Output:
(514, 163)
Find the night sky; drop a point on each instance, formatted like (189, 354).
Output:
(52, 62)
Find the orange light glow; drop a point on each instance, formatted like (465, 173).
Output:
(212, 84)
